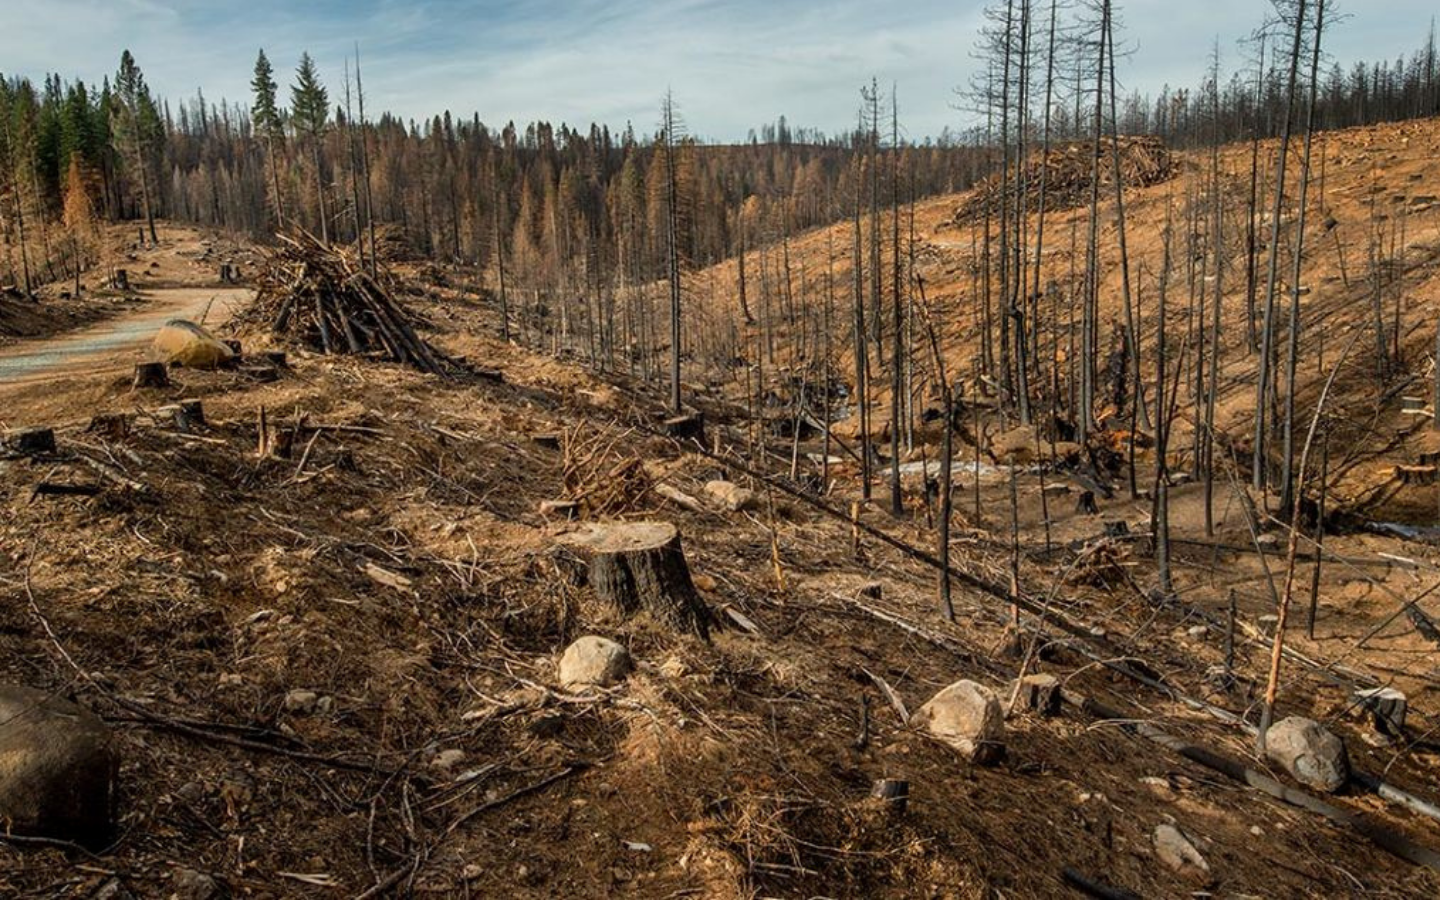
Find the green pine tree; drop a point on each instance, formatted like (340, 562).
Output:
(310, 111)
(268, 124)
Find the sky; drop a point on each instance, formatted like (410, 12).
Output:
(732, 65)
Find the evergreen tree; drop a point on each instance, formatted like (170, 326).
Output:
(135, 125)
(310, 112)
(265, 115)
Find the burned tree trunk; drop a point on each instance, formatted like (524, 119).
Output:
(637, 566)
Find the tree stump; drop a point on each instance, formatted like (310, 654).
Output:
(31, 441)
(637, 566)
(189, 415)
(151, 375)
(114, 426)
(892, 795)
(690, 427)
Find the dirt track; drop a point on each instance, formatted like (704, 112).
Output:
(117, 343)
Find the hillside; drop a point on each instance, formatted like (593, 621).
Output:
(333, 670)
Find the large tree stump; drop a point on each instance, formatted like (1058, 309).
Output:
(638, 566)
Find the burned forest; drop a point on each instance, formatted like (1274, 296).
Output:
(1045, 503)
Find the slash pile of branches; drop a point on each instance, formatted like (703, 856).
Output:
(1066, 172)
(320, 297)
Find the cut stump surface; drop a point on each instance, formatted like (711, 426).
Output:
(637, 566)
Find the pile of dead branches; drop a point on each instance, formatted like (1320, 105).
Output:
(599, 478)
(1067, 172)
(320, 297)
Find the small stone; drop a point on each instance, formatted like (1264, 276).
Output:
(1160, 787)
(1198, 632)
(967, 716)
(1176, 851)
(472, 871)
(301, 702)
(594, 660)
(564, 509)
(192, 885)
(231, 679)
(58, 768)
(190, 792)
(446, 760)
(1311, 754)
(731, 496)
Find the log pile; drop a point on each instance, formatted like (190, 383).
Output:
(321, 298)
(1066, 174)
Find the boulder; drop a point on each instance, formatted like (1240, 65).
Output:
(182, 342)
(594, 660)
(58, 768)
(731, 496)
(1017, 445)
(1311, 754)
(968, 717)
(1175, 850)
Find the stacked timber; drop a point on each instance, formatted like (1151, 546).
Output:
(320, 297)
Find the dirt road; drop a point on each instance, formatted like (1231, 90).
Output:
(116, 344)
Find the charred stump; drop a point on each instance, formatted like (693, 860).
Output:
(151, 375)
(636, 566)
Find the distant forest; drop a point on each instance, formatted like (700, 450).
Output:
(562, 209)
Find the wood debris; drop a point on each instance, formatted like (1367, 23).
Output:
(1066, 174)
(320, 297)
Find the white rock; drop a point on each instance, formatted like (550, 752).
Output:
(968, 717)
(731, 496)
(594, 660)
(1312, 755)
(1176, 851)
(446, 760)
(301, 702)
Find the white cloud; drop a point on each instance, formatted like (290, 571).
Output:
(732, 65)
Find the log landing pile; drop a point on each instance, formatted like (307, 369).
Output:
(1066, 173)
(320, 298)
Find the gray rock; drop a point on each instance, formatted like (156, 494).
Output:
(58, 768)
(731, 496)
(1175, 850)
(1312, 755)
(301, 702)
(968, 717)
(189, 884)
(446, 760)
(594, 660)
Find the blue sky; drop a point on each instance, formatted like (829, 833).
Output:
(732, 64)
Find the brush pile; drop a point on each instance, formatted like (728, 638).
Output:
(321, 298)
(1066, 175)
